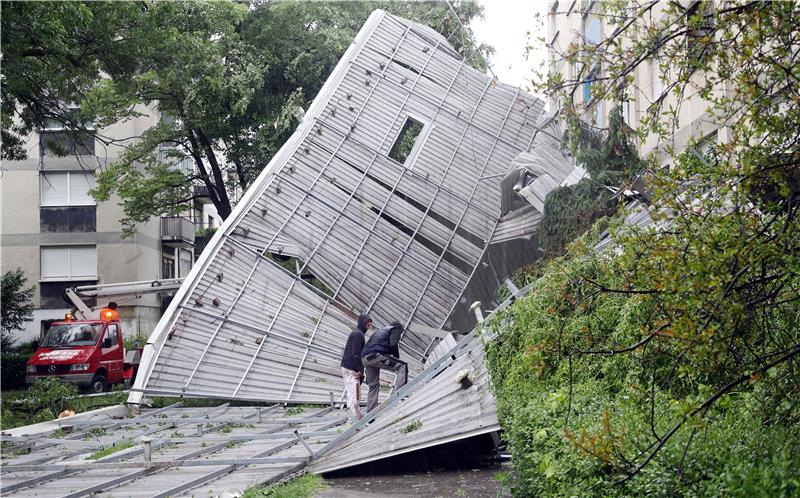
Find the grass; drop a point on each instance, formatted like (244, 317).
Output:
(411, 427)
(301, 487)
(97, 455)
(295, 410)
(11, 452)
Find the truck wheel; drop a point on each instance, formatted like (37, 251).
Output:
(98, 384)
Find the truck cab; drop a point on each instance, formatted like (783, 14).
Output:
(89, 353)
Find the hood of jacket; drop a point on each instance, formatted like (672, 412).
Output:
(363, 318)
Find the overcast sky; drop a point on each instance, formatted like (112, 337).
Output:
(505, 27)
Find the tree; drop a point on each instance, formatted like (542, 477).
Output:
(610, 160)
(16, 307)
(671, 359)
(228, 77)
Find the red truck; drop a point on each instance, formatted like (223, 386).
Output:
(89, 353)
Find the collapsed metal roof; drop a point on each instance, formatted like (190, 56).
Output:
(404, 241)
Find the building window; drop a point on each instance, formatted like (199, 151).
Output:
(408, 142)
(185, 263)
(656, 81)
(627, 112)
(167, 267)
(60, 139)
(68, 262)
(591, 29)
(591, 36)
(66, 188)
(587, 89)
(588, 83)
(553, 40)
(112, 335)
(599, 117)
(176, 159)
(66, 143)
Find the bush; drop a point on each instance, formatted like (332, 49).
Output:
(580, 419)
(50, 395)
(13, 370)
(131, 341)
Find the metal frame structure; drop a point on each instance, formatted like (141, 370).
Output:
(175, 449)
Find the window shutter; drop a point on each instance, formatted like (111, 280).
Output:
(54, 189)
(83, 262)
(55, 262)
(79, 186)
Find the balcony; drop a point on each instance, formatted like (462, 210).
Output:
(177, 231)
(201, 194)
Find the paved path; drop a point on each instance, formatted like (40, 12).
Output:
(465, 483)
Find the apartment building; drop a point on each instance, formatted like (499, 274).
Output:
(56, 232)
(581, 22)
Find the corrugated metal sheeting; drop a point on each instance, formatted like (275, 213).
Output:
(399, 240)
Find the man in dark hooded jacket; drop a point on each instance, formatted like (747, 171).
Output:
(352, 368)
(383, 351)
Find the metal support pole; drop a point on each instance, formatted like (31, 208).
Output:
(511, 287)
(476, 308)
(303, 442)
(148, 449)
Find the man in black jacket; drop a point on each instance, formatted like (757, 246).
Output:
(352, 368)
(383, 351)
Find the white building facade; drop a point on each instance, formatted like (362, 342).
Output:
(61, 237)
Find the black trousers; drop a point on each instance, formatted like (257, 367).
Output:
(373, 363)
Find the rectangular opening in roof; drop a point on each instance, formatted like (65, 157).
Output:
(406, 140)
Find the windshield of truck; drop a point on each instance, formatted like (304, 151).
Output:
(72, 334)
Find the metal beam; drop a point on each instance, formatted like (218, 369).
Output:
(152, 465)
(106, 484)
